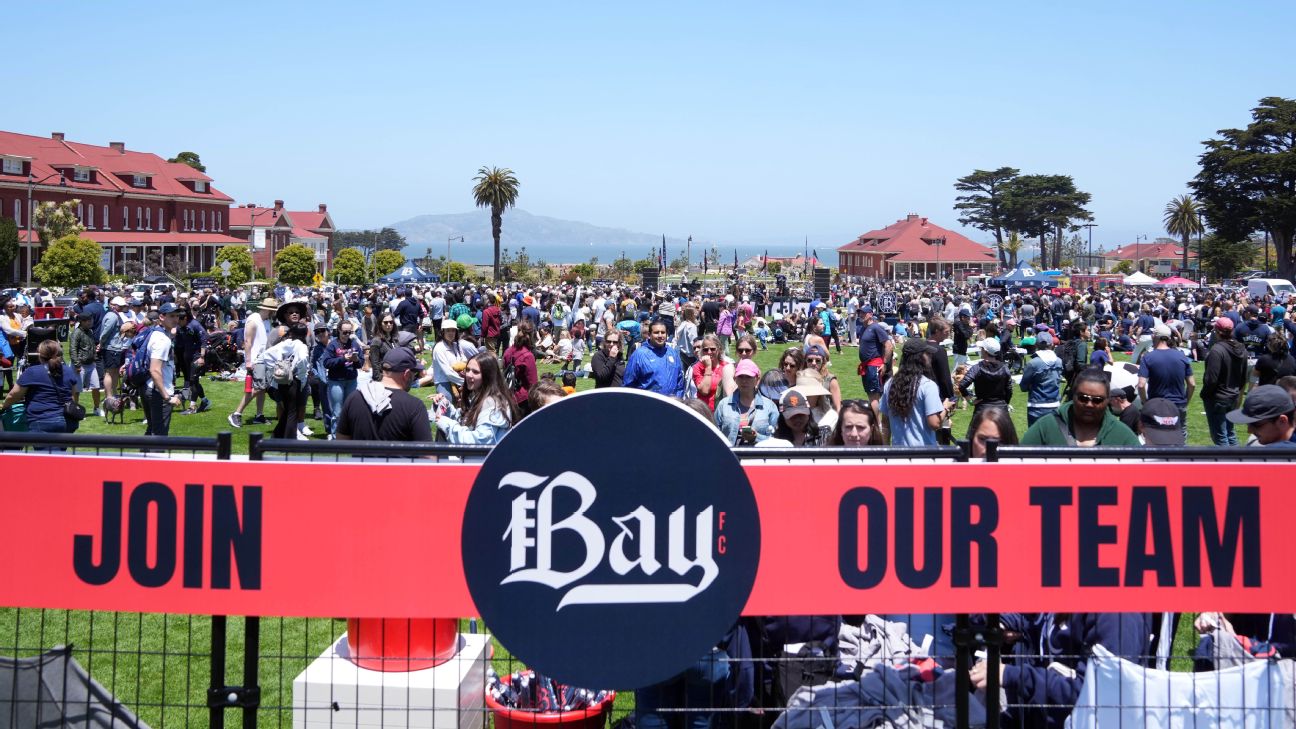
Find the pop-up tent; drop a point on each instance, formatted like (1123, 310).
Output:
(409, 274)
(1022, 276)
(1138, 278)
(1179, 282)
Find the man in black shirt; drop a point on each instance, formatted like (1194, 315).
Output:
(386, 410)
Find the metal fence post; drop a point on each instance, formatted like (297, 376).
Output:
(993, 635)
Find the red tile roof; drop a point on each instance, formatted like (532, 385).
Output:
(1150, 250)
(299, 232)
(241, 217)
(50, 156)
(308, 219)
(909, 240)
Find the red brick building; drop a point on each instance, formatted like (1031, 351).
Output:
(914, 248)
(276, 228)
(135, 204)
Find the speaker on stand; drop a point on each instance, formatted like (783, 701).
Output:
(822, 282)
(651, 277)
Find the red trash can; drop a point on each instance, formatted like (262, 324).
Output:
(402, 644)
(594, 717)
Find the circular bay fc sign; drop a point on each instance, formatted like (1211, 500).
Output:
(611, 539)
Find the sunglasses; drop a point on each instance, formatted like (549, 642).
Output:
(814, 360)
(745, 350)
(710, 349)
(1090, 399)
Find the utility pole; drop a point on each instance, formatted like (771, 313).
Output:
(1089, 256)
(1138, 260)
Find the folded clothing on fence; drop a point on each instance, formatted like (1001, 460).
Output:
(1118, 692)
(883, 697)
(876, 640)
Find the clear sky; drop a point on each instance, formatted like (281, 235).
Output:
(740, 122)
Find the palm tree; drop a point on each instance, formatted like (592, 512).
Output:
(1012, 247)
(1181, 219)
(496, 189)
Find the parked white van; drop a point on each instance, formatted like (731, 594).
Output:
(1279, 288)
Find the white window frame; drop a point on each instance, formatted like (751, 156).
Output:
(81, 174)
(107, 219)
(148, 218)
(90, 216)
(219, 220)
(80, 212)
(12, 166)
(200, 186)
(17, 212)
(203, 214)
(139, 218)
(139, 181)
(125, 217)
(161, 221)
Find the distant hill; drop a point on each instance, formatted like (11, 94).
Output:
(557, 241)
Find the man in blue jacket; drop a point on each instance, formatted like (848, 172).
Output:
(654, 366)
(341, 359)
(1042, 378)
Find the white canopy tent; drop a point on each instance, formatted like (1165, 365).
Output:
(1138, 278)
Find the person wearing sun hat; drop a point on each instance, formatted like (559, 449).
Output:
(255, 340)
(746, 417)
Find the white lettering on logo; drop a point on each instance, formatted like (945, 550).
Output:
(532, 528)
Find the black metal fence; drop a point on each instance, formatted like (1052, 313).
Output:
(803, 672)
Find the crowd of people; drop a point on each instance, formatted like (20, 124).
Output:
(461, 364)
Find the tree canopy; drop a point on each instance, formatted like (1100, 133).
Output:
(189, 158)
(1182, 219)
(386, 261)
(71, 261)
(54, 221)
(240, 260)
(1040, 205)
(349, 267)
(8, 244)
(1247, 180)
(295, 265)
(985, 204)
(497, 189)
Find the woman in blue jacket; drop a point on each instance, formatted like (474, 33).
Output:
(1042, 379)
(487, 410)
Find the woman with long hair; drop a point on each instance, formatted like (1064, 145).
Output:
(381, 343)
(991, 423)
(521, 358)
(486, 409)
(796, 424)
(911, 400)
(686, 330)
(45, 390)
(791, 362)
(857, 425)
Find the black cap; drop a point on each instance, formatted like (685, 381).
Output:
(400, 359)
(1266, 402)
(167, 308)
(1161, 422)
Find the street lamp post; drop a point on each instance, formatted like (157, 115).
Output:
(31, 183)
(252, 236)
(938, 242)
(1089, 255)
(1138, 261)
(450, 240)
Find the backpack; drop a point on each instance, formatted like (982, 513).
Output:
(1069, 353)
(510, 375)
(285, 370)
(136, 372)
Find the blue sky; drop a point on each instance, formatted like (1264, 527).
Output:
(734, 122)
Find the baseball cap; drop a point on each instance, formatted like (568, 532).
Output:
(1224, 323)
(1252, 310)
(866, 310)
(117, 301)
(989, 345)
(746, 368)
(167, 308)
(1161, 424)
(449, 323)
(1278, 311)
(321, 327)
(1044, 338)
(1161, 331)
(814, 350)
(794, 403)
(400, 359)
(1264, 403)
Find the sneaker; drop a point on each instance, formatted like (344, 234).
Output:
(317, 415)
(235, 420)
(302, 436)
(187, 411)
(332, 437)
(204, 405)
(260, 419)
(99, 412)
(305, 430)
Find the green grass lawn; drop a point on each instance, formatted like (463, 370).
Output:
(159, 664)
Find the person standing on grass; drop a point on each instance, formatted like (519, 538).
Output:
(160, 396)
(1167, 372)
(343, 358)
(82, 356)
(655, 366)
(383, 409)
(1224, 382)
(255, 339)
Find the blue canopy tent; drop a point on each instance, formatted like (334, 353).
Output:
(409, 274)
(1023, 276)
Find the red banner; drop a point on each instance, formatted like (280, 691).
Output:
(308, 539)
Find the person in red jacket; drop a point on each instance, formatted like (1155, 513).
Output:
(520, 357)
(491, 321)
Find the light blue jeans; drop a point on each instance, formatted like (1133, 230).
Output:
(338, 390)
